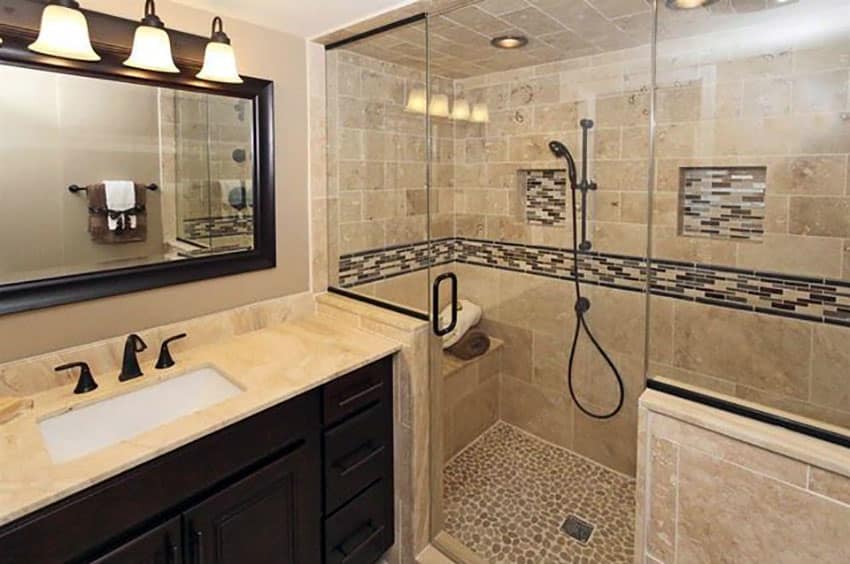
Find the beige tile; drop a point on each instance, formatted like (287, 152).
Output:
(807, 175)
(539, 412)
(517, 355)
(663, 485)
(816, 256)
(830, 362)
(716, 499)
(611, 442)
(817, 414)
(821, 92)
(821, 216)
(767, 97)
(471, 416)
(830, 484)
(736, 452)
(764, 352)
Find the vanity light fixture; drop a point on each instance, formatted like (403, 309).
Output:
(219, 58)
(460, 110)
(439, 105)
(151, 44)
(480, 113)
(64, 32)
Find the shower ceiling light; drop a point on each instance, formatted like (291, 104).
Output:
(151, 45)
(460, 110)
(509, 41)
(440, 105)
(480, 113)
(64, 32)
(417, 101)
(220, 59)
(688, 4)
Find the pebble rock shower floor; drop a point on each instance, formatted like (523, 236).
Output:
(507, 495)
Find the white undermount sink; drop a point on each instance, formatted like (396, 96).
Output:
(105, 423)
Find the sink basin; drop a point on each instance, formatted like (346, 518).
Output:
(97, 426)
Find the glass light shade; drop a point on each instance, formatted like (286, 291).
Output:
(220, 64)
(152, 50)
(440, 105)
(64, 33)
(460, 110)
(417, 101)
(480, 113)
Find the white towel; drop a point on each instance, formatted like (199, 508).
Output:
(120, 196)
(468, 316)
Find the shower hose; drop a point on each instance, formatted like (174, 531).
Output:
(583, 304)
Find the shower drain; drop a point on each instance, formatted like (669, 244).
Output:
(577, 528)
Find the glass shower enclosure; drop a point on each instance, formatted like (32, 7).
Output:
(710, 234)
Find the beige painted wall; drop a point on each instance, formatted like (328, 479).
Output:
(73, 130)
(263, 53)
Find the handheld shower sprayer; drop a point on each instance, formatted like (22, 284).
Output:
(582, 305)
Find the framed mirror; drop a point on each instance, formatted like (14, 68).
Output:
(115, 180)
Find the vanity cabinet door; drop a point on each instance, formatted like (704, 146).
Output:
(271, 517)
(159, 546)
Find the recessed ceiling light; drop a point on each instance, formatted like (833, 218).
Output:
(509, 42)
(688, 4)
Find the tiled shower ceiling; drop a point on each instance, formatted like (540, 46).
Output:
(557, 30)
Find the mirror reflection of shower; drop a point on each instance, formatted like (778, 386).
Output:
(582, 304)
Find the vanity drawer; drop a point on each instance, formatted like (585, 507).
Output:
(351, 393)
(356, 455)
(362, 531)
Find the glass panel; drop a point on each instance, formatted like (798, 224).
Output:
(752, 200)
(505, 428)
(377, 168)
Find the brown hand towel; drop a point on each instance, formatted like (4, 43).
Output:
(98, 221)
(474, 344)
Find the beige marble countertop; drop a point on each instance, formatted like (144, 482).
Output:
(271, 365)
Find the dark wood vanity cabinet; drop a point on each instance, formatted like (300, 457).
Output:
(307, 481)
(161, 545)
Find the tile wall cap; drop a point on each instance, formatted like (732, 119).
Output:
(775, 439)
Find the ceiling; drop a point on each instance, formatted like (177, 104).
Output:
(557, 30)
(303, 18)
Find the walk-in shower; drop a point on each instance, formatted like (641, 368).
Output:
(582, 304)
(714, 249)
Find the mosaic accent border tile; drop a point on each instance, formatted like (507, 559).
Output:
(545, 196)
(212, 227)
(811, 299)
(723, 202)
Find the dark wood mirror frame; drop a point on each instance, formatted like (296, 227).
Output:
(112, 38)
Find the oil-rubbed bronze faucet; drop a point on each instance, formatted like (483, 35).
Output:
(130, 366)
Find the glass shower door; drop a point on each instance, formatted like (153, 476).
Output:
(377, 157)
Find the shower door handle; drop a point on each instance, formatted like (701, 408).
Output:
(435, 304)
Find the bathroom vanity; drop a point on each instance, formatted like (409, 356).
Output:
(306, 480)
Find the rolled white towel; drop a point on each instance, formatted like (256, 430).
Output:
(468, 316)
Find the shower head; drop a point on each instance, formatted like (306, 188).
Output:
(560, 150)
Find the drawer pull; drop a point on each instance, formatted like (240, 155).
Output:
(172, 552)
(360, 395)
(345, 467)
(349, 551)
(199, 547)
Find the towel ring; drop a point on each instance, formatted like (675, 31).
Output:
(73, 188)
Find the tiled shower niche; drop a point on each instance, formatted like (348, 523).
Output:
(723, 202)
(544, 196)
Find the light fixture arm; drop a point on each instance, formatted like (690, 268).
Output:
(151, 19)
(217, 35)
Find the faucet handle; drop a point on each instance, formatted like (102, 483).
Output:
(86, 382)
(165, 358)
